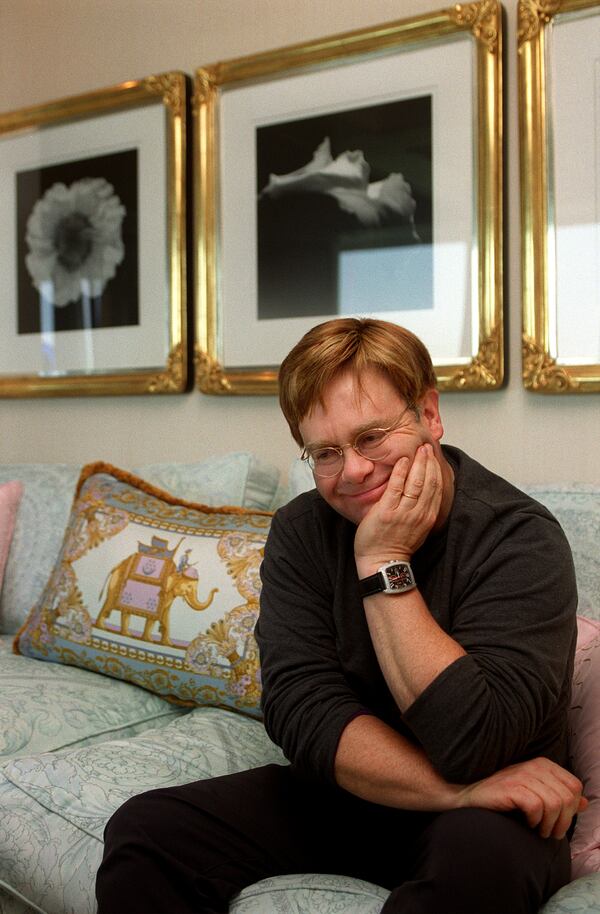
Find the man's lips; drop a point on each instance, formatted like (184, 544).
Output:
(366, 494)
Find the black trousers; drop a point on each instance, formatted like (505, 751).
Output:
(191, 849)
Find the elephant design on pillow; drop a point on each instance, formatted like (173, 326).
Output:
(145, 584)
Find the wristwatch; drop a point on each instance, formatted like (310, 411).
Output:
(393, 577)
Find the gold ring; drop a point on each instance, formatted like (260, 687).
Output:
(415, 497)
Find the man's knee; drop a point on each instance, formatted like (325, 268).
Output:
(141, 815)
(480, 852)
(495, 840)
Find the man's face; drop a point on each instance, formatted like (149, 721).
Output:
(348, 410)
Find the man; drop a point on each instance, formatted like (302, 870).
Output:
(417, 631)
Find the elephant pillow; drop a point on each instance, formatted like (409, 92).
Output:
(156, 591)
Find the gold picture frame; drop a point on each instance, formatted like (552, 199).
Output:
(554, 346)
(100, 175)
(473, 33)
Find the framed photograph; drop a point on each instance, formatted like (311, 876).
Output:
(559, 110)
(94, 298)
(360, 174)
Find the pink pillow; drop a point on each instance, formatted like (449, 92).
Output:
(10, 496)
(584, 727)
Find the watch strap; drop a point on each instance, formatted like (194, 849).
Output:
(375, 583)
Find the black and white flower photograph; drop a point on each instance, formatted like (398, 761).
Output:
(77, 245)
(344, 209)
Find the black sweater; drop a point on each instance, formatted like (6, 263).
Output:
(498, 578)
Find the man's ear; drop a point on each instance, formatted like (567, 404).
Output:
(430, 413)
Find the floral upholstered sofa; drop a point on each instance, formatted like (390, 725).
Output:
(125, 590)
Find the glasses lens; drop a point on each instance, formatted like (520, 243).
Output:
(326, 461)
(373, 444)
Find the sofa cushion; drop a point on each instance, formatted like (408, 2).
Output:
(582, 896)
(11, 904)
(300, 478)
(10, 496)
(577, 509)
(46, 706)
(584, 732)
(317, 893)
(155, 590)
(55, 805)
(233, 479)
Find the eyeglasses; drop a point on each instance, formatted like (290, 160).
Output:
(372, 444)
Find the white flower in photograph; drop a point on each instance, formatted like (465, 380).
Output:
(346, 178)
(74, 239)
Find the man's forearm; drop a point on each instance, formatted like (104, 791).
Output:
(411, 648)
(376, 763)
(379, 765)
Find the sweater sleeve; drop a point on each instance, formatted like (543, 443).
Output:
(307, 701)
(506, 700)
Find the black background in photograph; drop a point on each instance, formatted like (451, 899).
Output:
(118, 305)
(300, 236)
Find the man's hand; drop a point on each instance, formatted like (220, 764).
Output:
(547, 794)
(400, 521)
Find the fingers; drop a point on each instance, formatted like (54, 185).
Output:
(423, 487)
(397, 482)
(546, 809)
(548, 795)
(562, 799)
(424, 475)
(417, 481)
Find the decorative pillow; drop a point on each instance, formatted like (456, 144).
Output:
(230, 479)
(155, 590)
(10, 496)
(584, 725)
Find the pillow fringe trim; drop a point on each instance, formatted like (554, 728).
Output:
(91, 469)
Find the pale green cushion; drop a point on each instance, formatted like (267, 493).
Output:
(577, 509)
(310, 893)
(46, 706)
(233, 479)
(55, 806)
(582, 896)
(156, 591)
(300, 478)
(325, 894)
(11, 904)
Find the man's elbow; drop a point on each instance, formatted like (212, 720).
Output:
(475, 761)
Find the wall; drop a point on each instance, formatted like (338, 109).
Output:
(55, 48)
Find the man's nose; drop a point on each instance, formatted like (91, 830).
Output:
(356, 467)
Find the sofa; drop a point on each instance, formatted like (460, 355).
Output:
(94, 712)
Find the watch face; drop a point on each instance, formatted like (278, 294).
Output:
(398, 576)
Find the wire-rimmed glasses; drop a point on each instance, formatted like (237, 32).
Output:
(372, 444)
